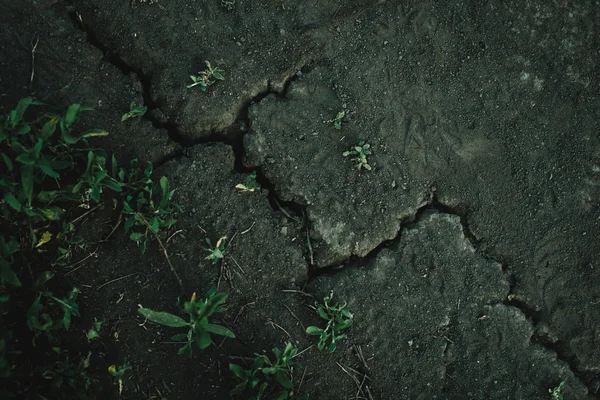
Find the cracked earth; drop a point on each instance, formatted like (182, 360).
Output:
(468, 255)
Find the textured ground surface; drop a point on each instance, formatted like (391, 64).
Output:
(468, 254)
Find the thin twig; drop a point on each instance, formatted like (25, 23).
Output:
(294, 315)
(240, 312)
(175, 233)
(301, 380)
(33, 62)
(238, 265)
(164, 249)
(114, 228)
(80, 261)
(285, 212)
(297, 291)
(86, 213)
(273, 324)
(248, 230)
(310, 250)
(115, 280)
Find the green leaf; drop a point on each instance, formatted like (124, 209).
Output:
(281, 395)
(12, 201)
(24, 130)
(218, 75)
(7, 275)
(72, 114)
(48, 129)
(239, 371)
(283, 379)
(46, 168)
(203, 340)
(7, 162)
(313, 330)
(219, 330)
(163, 318)
(27, 181)
(17, 114)
(136, 236)
(95, 132)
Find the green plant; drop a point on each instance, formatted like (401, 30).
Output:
(228, 4)
(251, 184)
(361, 151)
(207, 77)
(134, 112)
(149, 217)
(48, 313)
(198, 325)
(337, 121)
(264, 375)
(95, 178)
(7, 275)
(33, 156)
(119, 371)
(94, 331)
(217, 252)
(556, 393)
(338, 318)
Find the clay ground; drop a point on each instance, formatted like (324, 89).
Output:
(468, 254)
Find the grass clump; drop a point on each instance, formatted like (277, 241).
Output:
(265, 376)
(338, 318)
(207, 78)
(360, 153)
(198, 325)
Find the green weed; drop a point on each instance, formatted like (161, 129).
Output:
(217, 252)
(265, 375)
(228, 4)
(199, 329)
(361, 151)
(207, 78)
(556, 393)
(250, 185)
(337, 121)
(119, 372)
(134, 112)
(338, 318)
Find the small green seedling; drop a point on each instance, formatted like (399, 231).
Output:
(207, 77)
(216, 253)
(250, 186)
(228, 4)
(264, 374)
(338, 318)
(361, 151)
(119, 373)
(94, 331)
(556, 393)
(134, 112)
(337, 121)
(199, 329)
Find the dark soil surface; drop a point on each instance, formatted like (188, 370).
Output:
(468, 254)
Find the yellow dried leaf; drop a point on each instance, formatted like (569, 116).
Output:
(46, 237)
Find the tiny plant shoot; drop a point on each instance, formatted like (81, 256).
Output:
(207, 77)
(199, 329)
(216, 253)
(337, 121)
(338, 318)
(118, 372)
(228, 4)
(250, 185)
(134, 112)
(556, 393)
(360, 153)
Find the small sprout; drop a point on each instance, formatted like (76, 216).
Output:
(94, 332)
(46, 237)
(361, 151)
(134, 112)
(264, 374)
(338, 318)
(216, 253)
(337, 121)
(556, 393)
(199, 329)
(119, 373)
(250, 186)
(207, 77)
(228, 4)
